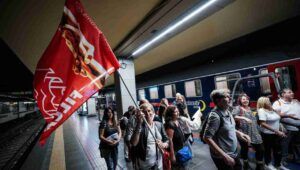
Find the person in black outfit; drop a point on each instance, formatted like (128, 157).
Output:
(175, 134)
(110, 135)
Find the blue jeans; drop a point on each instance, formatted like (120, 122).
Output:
(111, 158)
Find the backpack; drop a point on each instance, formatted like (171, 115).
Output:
(205, 122)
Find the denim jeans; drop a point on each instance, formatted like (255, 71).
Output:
(111, 158)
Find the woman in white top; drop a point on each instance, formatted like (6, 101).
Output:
(148, 145)
(271, 134)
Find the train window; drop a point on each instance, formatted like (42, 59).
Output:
(286, 80)
(153, 93)
(226, 81)
(221, 82)
(8, 107)
(29, 106)
(193, 88)
(142, 94)
(4, 107)
(170, 91)
(264, 82)
(22, 107)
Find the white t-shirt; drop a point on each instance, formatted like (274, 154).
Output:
(151, 150)
(271, 118)
(288, 108)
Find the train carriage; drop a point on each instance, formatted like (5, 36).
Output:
(197, 89)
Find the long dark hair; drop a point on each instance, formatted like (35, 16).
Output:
(162, 107)
(169, 113)
(106, 117)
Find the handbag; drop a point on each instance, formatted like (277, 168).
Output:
(184, 155)
(166, 160)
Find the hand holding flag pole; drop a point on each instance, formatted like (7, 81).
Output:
(143, 117)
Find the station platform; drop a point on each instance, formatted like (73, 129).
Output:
(74, 146)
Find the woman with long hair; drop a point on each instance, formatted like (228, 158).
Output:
(110, 135)
(175, 134)
(270, 132)
(164, 103)
(250, 128)
(180, 102)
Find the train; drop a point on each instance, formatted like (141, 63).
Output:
(256, 82)
(13, 110)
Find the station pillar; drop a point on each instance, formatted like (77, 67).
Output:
(123, 99)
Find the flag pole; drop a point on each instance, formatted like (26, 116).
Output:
(136, 105)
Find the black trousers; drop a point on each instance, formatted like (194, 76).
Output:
(221, 165)
(272, 143)
(291, 144)
(259, 150)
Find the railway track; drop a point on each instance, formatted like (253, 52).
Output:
(16, 143)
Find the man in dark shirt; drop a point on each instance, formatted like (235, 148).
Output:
(220, 133)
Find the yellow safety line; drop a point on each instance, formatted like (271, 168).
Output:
(57, 161)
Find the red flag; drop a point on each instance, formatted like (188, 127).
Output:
(73, 67)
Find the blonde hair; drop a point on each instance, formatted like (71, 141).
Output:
(263, 102)
(147, 105)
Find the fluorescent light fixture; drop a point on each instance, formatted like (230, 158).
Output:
(171, 28)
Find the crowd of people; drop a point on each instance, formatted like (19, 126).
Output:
(162, 139)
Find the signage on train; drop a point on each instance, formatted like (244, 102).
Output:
(196, 104)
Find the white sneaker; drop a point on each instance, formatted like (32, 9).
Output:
(282, 168)
(270, 167)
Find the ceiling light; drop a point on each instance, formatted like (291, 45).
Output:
(173, 27)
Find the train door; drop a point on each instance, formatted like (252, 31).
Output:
(228, 81)
(262, 78)
(288, 74)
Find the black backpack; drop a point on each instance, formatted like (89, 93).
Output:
(205, 122)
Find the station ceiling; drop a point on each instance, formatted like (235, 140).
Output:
(28, 26)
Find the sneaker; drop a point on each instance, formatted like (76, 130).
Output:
(270, 167)
(282, 168)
